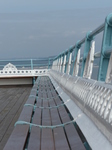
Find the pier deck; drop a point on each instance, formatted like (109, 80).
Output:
(37, 128)
(12, 99)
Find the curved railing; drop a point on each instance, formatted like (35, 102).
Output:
(69, 61)
(24, 67)
(94, 97)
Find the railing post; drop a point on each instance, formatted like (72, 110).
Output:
(86, 50)
(31, 64)
(49, 63)
(77, 47)
(53, 64)
(106, 44)
(59, 63)
(32, 69)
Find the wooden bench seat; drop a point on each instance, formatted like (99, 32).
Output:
(58, 138)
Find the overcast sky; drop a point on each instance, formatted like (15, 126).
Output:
(36, 28)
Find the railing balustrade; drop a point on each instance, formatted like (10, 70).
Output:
(69, 59)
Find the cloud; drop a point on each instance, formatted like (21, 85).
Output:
(51, 34)
(69, 33)
(31, 37)
(36, 37)
(84, 31)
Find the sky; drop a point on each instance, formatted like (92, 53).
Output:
(36, 28)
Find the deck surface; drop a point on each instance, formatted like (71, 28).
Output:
(12, 99)
(44, 107)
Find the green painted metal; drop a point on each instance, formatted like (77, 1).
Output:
(3, 60)
(41, 126)
(87, 146)
(31, 64)
(86, 51)
(53, 107)
(33, 79)
(106, 43)
(49, 65)
(27, 63)
(59, 62)
(106, 50)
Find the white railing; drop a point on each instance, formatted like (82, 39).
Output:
(93, 97)
(20, 73)
(11, 71)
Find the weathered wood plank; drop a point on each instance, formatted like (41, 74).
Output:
(59, 135)
(47, 141)
(17, 97)
(35, 136)
(18, 138)
(72, 135)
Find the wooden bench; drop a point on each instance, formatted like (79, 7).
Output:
(57, 138)
(18, 138)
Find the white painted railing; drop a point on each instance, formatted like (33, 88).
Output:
(11, 71)
(93, 97)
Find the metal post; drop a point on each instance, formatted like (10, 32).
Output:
(32, 69)
(58, 63)
(106, 43)
(53, 64)
(31, 64)
(49, 63)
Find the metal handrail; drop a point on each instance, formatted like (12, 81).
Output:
(104, 55)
